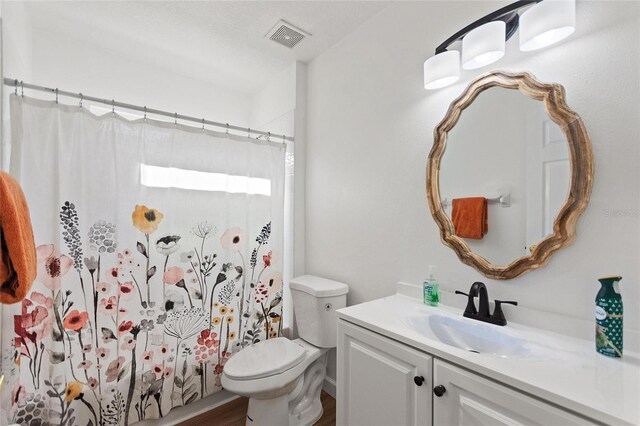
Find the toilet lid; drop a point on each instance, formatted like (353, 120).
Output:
(264, 359)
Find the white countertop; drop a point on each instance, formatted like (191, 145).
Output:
(576, 377)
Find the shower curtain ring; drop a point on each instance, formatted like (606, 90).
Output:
(175, 118)
(113, 106)
(145, 113)
(227, 128)
(16, 86)
(284, 139)
(22, 88)
(249, 133)
(56, 95)
(268, 136)
(203, 124)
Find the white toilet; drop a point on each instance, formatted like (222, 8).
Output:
(283, 378)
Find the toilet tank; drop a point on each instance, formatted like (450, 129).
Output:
(315, 301)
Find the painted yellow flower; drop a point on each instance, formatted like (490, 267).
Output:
(215, 305)
(223, 310)
(229, 319)
(273, 334)
(74, 390)
(275, 319)
(232, 335)
(231, 310)
(146, 219)
(216, 321)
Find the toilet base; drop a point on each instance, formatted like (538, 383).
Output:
(268, 412)
(300, 407)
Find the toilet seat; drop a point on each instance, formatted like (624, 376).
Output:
(265, 359)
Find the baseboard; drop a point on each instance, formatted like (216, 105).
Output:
(329, 386)
(181, 414)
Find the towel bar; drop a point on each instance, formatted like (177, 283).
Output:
(503, 200)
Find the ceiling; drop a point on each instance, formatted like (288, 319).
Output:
(221, 42)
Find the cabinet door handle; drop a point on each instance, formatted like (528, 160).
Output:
(418, 380)
(439, 390)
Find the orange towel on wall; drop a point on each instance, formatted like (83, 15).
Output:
(17, 247)
(469, 217)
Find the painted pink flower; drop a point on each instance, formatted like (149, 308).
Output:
(28, 320)
(157, 370)
(108, 306)
(168, 371)
(52, 266)
(147, 357)
(102, 353)
(267, 259)
(92, 383)
(85, 365)
(233, 239)
(122, 310)
(114, 368)
(126, 290)
(124, 327)
(41, 299)
(262, 293)
(103, 287)
(164, 350)
(173, 275)
(128, 343)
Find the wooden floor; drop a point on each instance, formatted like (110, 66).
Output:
(234, 413)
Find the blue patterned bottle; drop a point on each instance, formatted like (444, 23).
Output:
(609, 318)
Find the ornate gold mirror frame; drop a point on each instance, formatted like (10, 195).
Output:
(581, 161)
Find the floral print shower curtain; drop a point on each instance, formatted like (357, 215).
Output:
(145, 288)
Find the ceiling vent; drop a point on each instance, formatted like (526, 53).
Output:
(286, 34)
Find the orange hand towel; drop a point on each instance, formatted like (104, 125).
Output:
(17, 247)
(470, 217)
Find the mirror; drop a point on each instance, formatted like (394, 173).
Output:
(512, 141)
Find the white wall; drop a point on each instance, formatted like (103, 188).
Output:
(17, 50)
(72, 64)
(370, 125)
(280, 109)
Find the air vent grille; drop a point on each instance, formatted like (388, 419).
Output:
(286, 34)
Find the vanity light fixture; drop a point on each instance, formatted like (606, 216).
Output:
(547, 23)
(483, 45)
(541, 23)
(442, 69)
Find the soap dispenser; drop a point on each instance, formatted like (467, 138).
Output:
(609, 318)
(431, 289)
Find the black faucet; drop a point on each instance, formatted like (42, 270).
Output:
(479, 290)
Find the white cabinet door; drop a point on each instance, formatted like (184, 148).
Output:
(473, 400)
(376, 380)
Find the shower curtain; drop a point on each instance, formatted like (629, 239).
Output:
(159, 253)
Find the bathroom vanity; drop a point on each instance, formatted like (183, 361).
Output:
(403, 363)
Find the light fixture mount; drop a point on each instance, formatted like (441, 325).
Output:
(508, 14)
(541, 24)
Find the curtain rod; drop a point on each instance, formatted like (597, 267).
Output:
(15, 83)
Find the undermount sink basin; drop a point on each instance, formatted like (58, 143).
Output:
(477, 337)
